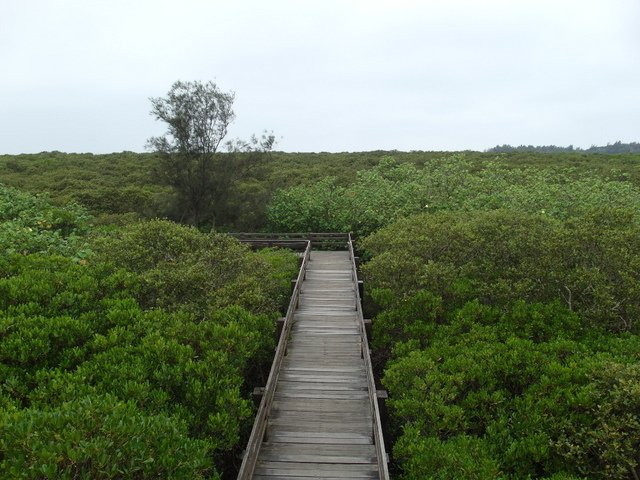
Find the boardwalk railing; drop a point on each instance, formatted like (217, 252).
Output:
(260, 423)
(378, 438)
(293, 240)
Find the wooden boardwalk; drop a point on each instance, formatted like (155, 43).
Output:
(323, 419)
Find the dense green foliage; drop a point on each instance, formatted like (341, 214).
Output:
(520, 392)
(507, 310)
(30, 224)
(108, 185)
(510, 339)
(120, 187)
(391, 191)
(133, 362)
(590, 263)
(182, 268)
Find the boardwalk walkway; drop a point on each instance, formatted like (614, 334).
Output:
(321, 422)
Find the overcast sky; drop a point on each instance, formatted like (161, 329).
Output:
(324, 75)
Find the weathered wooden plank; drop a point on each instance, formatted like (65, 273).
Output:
(339, 340)
(358, 382)
(335, 378)
(302, 469)
(324, 322)
(324, 416)
(312, 477)
(293, 367)
(293, 386)
(320, 405)
(346, 424)
(312, 330)
(321, 394)
(281, 436)
(288, 456)
(325, 449)
(317, 317)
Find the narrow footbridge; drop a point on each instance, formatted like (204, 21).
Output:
(319, 415)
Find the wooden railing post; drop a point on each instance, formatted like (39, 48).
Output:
(279, 327)
(368, 328)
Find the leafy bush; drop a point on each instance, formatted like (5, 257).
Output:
(98, 437)
(462, 456)
(589, 263)
(511, 342)
(30, 224)
(483, 396)
(390, 191)
(180, 267)
(170, 363)
(134, 361)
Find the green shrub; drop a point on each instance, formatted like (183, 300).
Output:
(589, 263)
(30, 224)
(118, 335)
(391, 191)
(180, 267)
(98, 437)
(541, 408)
(543, 395)
(428, 458)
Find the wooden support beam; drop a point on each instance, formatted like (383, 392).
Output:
(367, 328)
(257, 394)
(279, 327)
(382, 396)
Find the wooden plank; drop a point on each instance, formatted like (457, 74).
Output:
(317, 456)
(312, 393)
(325, 449)
(321, 386)
(320, 405)
(325, 416)
(324, 370)
(280, 477)
(344, 424)
(315, 469)
(313, 437)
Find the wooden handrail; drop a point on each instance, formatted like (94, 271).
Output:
(292, 235)
(270, 239)
(260, 424)
(383, 468)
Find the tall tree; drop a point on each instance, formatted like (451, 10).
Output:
(197, 116)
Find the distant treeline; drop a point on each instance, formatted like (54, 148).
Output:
(617, 147)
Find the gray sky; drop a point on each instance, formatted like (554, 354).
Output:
(324, 75)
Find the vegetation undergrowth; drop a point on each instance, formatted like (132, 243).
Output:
(506, 292)
(127, 353)
(510, 343)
